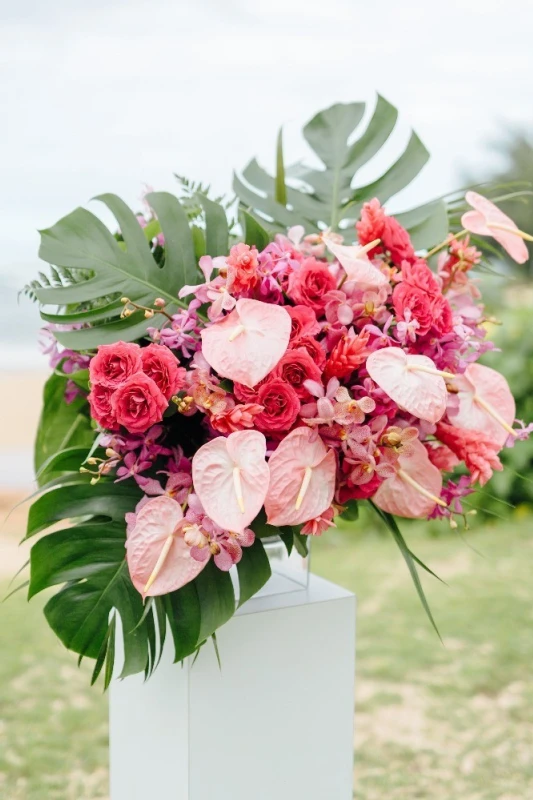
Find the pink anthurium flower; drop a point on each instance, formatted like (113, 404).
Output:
(159, 560)
(484, 403)
(247, 344)
(488, 220)
(412, 381)
(230, 476)
(355, 261)
(302, 479)
(414, 490)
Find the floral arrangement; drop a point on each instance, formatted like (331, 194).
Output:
(215, 383)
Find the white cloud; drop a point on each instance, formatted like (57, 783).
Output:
(105, 97)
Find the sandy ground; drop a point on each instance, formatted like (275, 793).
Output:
(20, 406)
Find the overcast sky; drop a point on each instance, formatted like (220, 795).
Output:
(105, 96)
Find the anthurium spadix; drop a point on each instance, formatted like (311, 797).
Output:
(158, 558)
(355, 262)
(230, 476)
(412, 381)
(302, 479)
(485, 403)
(247, 344)
(488, 220)
(415, 489)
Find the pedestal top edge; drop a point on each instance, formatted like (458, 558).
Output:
(319, 590)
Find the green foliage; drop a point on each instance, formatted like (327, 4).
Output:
(330, 197)
(87, 561)
(410, 559)
(61, 425)
(57, 278)
(81, 243)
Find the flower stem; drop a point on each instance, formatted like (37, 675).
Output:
(445, 243)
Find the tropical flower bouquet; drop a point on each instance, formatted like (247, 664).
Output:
(218, 381)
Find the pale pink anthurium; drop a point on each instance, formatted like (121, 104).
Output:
(488, 220)
(355, 262)
(230, 476)
(247, 344)
(415, 489)
(302, 479)
(158, 558)
(483, 403)
(412, 381)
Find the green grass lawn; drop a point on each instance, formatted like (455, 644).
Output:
(453, 722)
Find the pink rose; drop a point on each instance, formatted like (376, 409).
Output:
(406, 296)
(162, 366)
(100, 405)
(303, 321)
(244, 393)
(442, 315)
(280, 406)
(419, 274)
(114, 363)
(314, 348)
(309, 284)
(138, 403)
(295, 367)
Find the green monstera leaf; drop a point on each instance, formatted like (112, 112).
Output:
(86, 563)
(330, 197)
(82, 245)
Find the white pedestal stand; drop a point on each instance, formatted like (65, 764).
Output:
(275, 723)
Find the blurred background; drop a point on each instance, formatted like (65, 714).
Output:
(112, 96)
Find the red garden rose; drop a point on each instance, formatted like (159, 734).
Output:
(418, 301)
(295, 367)
(419, 274)
(442, 315)
(280, 406)
(100, 405)
(138, 403)
(162, 366)
(303, 321)
(313, 347)
(309, 284)
(244, 393)
(114, 363)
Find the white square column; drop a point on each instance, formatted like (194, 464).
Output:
(274, 723)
